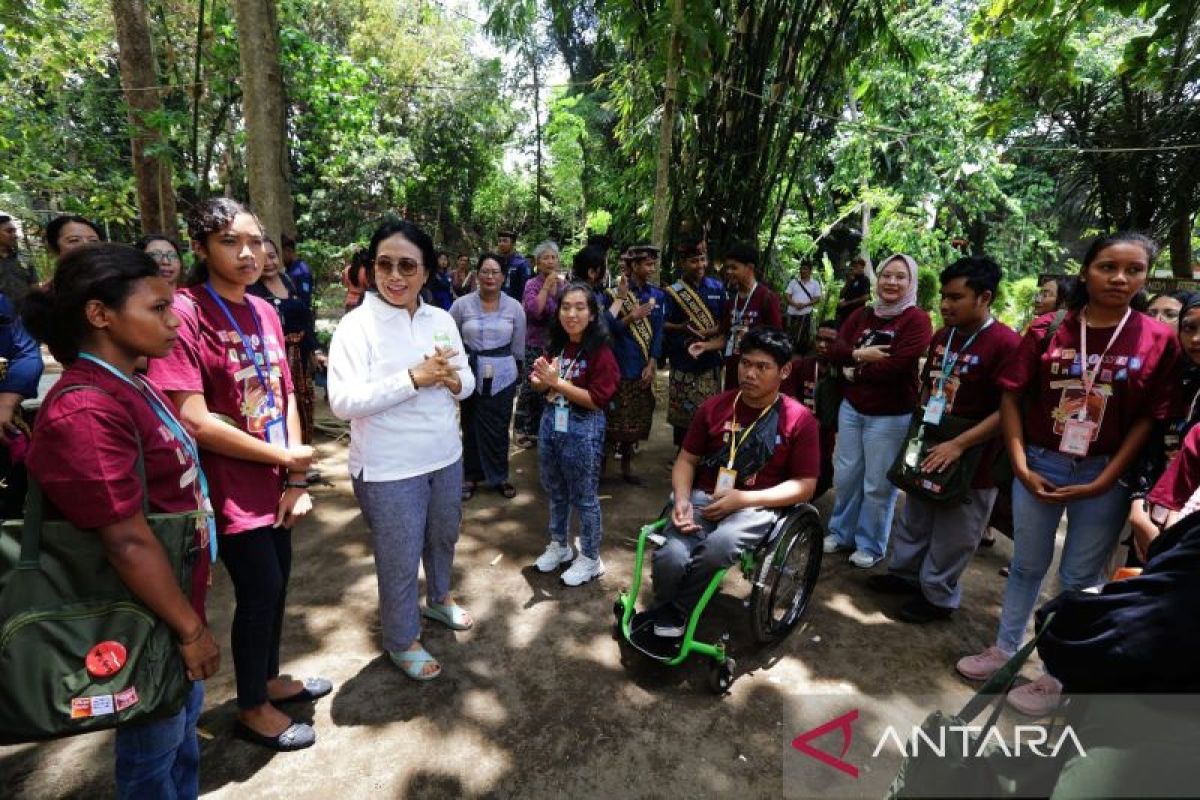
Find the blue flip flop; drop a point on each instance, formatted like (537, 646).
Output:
(412, 662)
(454, 617)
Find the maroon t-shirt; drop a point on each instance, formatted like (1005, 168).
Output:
(888, 387)
(209, 358)
(597, 372)
(1133, 381)
(762, 310)
(972, 389)
(1182, 476)
(84, 450)
(797, 445)
(801, 382)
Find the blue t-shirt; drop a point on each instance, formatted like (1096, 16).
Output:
(625, 347)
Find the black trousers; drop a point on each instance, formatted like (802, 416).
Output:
(259, 563)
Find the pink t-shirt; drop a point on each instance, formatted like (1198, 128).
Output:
(209, 358)
(84, 456)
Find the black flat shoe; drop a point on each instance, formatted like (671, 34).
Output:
(296, 736)
(889, 583)
(633, 480)
(314, 689)
(919, 611)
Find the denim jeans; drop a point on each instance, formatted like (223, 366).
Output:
(1093, 526)
(160, 760)
(866, 499)
(413, 521)
(570, 468)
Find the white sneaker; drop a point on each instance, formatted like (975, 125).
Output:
(832, 545)
(582, 570)
(554, 557)
(864, 560)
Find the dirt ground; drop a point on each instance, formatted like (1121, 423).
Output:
(535, 701)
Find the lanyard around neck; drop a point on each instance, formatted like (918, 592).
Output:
(1089, 377)
(262, 371)
(172, 423)
(735, 443)
(739, 313)
(949, 361)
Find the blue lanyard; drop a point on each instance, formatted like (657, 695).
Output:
(169, 419)
(247, 347)
(949, 363)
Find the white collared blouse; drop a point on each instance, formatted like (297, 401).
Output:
(396, 430)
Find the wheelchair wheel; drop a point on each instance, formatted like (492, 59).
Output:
(786, 577)
(720, 676)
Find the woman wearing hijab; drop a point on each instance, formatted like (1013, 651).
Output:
(878, 349)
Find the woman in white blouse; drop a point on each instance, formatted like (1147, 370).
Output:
(492, 325)
(397, 371)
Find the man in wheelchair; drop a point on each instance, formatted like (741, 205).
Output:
(748, 454)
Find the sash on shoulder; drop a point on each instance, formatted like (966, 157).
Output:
(641, 331)
(698, 314)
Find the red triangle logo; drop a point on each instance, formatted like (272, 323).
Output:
(842, 723)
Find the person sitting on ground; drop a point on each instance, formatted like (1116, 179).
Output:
(748, 452)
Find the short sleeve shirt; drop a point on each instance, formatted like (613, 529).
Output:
(83, 454)
(797, 444)
(209, 358)
(596, 371)
(1132, 381)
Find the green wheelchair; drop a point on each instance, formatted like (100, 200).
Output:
(782, 569)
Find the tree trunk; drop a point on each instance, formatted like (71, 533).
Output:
(666, 130)
(1181, 244)
(152, 172)
(265, 112)
(537, 125)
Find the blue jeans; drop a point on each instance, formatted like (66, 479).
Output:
(866, 447)
(160, 760)
(1093, 526)
(413, 521)
(570, 468)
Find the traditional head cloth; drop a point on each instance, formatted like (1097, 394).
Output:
(690, 249)
(639, 251)
(909, 299)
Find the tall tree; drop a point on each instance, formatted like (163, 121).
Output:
(666, 130)
(139, 79)
(265, 111)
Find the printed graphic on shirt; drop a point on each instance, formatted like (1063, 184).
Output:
(950, 389)
(256, 405)
(1067, 364)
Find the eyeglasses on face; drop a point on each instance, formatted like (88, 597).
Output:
(163, 256)
(405, 267)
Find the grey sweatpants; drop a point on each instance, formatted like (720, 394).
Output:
(412, 521)
(683, 566)
(932, 544)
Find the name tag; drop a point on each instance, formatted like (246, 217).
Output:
(726, 480)
(1077, 437)
(277, 432)
(934, 410)
(562, 418)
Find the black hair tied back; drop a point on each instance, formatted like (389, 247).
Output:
(105, 272)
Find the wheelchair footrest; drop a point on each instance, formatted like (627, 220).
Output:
(641, 636)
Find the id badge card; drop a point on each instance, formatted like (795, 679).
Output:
(441, 339)
(562, 418)
(277, 432)
(735, 339)
(934, 409)
(1077, 437)
(726, 479)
